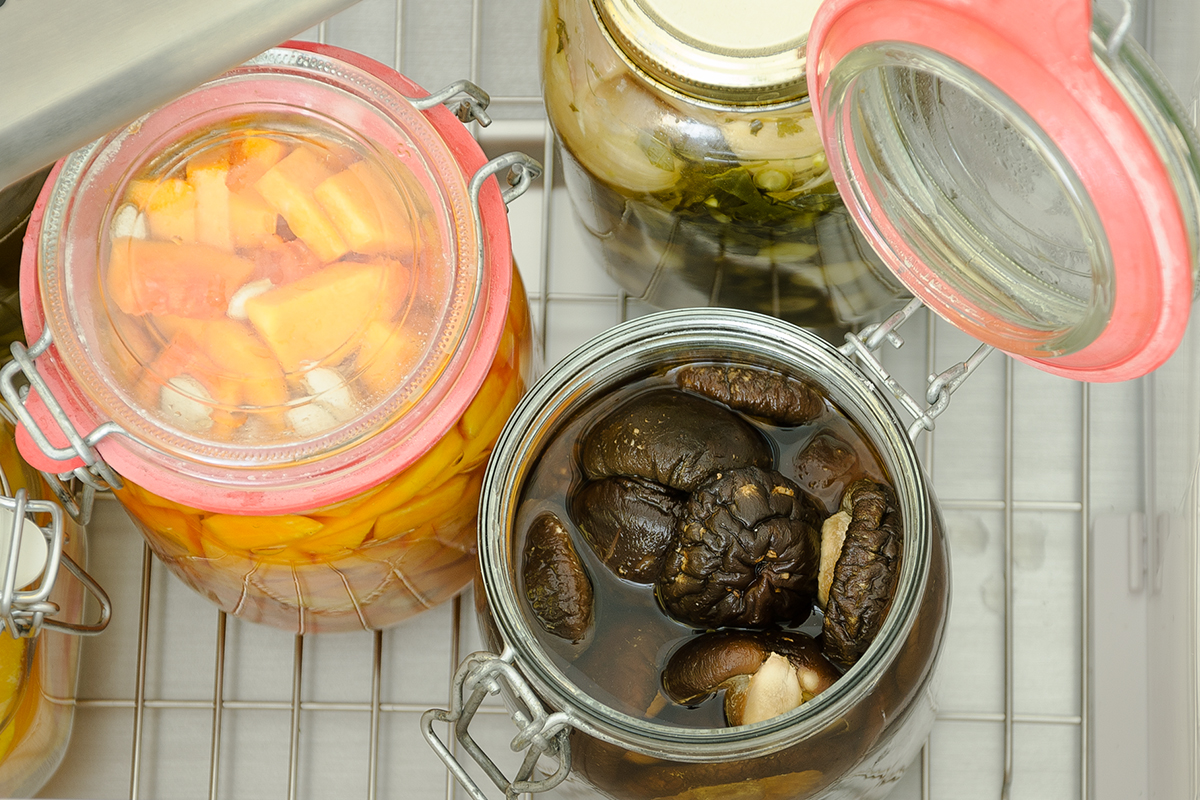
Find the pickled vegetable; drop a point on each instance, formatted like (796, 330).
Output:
(692, 201)
(367, 561)
(704, 570)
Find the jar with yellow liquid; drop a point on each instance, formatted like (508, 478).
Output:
(280, 317)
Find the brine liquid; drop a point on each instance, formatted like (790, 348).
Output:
(620, 663)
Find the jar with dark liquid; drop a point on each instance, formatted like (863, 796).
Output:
(857, 736)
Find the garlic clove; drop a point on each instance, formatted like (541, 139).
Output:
(237, 303)
(130, 223)
(186, 402)
(330, 391)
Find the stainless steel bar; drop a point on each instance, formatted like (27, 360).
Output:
(373, 745)
(270, 705)
(398, 44)
(549, 166)
(1009, 627)
(926, 772)
(930, 369)
(1085, 526)
(1038, 719)
(139, 698)
(217, 708)
(76, 69)
(455, 658)
(294, 748)
(961, 504)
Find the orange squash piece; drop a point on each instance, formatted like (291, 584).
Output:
(283, 262)
(206, 173)
(386, 356)
(288, 188)
(169, 206)
(234, 349)
(255, 532)
(251, 219)
(368, 212)
(187, 280)
(250, 158)
(309, 319)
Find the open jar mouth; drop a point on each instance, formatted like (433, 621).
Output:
(663, 340)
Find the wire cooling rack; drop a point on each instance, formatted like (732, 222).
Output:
(178, 701)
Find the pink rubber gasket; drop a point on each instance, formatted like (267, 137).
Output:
(367, 464)
(1038, 53)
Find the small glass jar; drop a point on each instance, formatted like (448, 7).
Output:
(694, 164)
(285, 312)
(853, 739)
(41, 617)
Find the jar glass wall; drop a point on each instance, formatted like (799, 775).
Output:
(289, 298)
(38, 675)
(375, 559)
(693, 201)
(856, 736)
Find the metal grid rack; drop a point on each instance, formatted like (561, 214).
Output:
(178, 701)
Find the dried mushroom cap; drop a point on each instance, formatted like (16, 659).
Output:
(763, 673)
(745, 554)
(865, 575)
(629, 523)
(672, 438)
(824, 461)
(772, 396)
(556, 583)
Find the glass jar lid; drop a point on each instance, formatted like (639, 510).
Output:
(1036, 185)
(753, 54)
(266, 272)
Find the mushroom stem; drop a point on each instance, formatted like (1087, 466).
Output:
(773, 690)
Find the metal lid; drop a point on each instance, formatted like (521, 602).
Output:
(749, 54)
(1036, 185)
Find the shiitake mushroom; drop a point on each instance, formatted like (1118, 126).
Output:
(629, 523)
(557, 585)
(825, 461)
(763, 673)
(772, 396)
(672, 438)
(862, 570)
(745, 555)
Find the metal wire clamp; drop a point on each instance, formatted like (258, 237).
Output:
(863, 346)
(540, 733)
(24, 612)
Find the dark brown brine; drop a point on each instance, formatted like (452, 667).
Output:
(633, 636)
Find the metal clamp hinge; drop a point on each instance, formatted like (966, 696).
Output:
(468, 102)
(96, 473)
(937, 396)
(522, 172)
(540, 733)
(24, 612)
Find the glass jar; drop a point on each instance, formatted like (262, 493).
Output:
(693, 162)
(43, 616)
(286, 318)
(853, 739)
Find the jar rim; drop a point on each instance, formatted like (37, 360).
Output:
(389, 435)
(600, 364)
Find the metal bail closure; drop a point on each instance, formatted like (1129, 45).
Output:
(32, 559)
(937, 396)
(94, 472)
(541, 733)
(468, 102)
